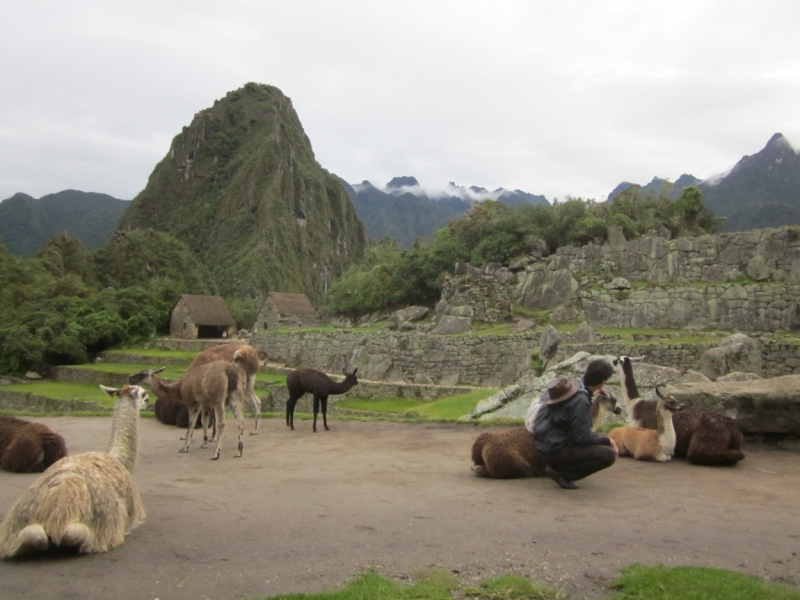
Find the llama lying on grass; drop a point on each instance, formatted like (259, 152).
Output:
(320, 385)
(510, 453)
(702, 436)
(249, 358)
(650, 444)
(203, 389)
(87, 501)
(26, 447)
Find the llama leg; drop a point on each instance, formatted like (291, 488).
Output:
(192, 420)
(204, 418)
(316, 411)
(219, 414)
(290, 405)
(324, 402)
(254, 400)
(79, 536)
(238, 412)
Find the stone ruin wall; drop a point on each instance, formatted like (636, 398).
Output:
(490, 361)
(748, 281)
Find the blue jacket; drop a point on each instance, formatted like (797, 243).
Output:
(568, 422)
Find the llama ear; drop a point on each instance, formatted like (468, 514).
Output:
(110, 391)
(354, 370)
(659, 394)
(637, 358)
(157, 371)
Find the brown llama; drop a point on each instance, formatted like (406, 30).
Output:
(86, 501)
(27, 447)
(511, 453)
(205, 389)
(249, 358)
(702, 436)
(170, 412)
(650, 444)
(320, 385)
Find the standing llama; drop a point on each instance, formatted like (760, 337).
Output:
(27, 447)
(511, 453)
(249, 358)
(87, 501)
(650, 444)
(320, 385)
(702, 436)
(204, 389)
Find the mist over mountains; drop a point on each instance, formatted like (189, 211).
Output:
(405, 210)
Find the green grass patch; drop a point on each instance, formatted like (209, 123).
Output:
(451, 408)
(430, 584)
(390, 405)
(694, 583)
(60, 390)
(170, 371)
(156, 353)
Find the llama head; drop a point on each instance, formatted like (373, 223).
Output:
(351, 377)
(145, 377)
(136, 393)
(669, 402)
(609, 401)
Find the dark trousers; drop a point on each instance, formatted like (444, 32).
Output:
(577, 462)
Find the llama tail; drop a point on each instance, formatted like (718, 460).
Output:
(32, 538)
(54, 449)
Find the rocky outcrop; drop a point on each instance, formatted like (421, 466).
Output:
(759, 406)
(736, 353)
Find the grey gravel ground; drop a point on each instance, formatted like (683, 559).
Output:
(303, 512)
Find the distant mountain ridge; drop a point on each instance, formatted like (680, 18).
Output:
(27, 223)
(762, 190)
(405, 210)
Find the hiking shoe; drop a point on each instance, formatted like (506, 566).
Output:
(560, 479)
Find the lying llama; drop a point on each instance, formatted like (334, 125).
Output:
(511, 453)
(87, 501)
(26, 447)
(650, 444)
(702, 436)
(204, 389)
(170, 412)
(249, 358)
(320, 385)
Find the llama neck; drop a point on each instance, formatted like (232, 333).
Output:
(630, 393)
(598, 411)
(341, 387)
(123, 445)
(168, 391)
(666, 430)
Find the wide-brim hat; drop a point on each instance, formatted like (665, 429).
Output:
(560, 389)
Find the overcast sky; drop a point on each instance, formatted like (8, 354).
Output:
(554, 98)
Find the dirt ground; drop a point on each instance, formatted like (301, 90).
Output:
(303, 512)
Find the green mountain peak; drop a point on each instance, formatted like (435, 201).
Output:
(241, 188)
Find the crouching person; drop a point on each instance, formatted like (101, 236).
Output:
(563, 432)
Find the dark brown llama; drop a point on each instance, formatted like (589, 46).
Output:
(702, 436)
(27, 447)
(320, 385)
(170, 412)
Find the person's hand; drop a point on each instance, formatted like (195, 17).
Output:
(614, 446)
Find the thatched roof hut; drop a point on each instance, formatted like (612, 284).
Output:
(194, 317)
(282, 307)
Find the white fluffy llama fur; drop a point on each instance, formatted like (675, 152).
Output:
(87, 501)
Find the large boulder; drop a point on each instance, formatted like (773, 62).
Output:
(758, 406)
(735, 353)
